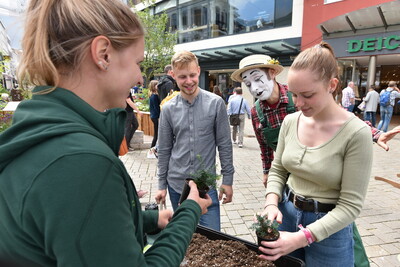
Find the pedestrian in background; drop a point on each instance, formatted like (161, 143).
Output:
(371, 105)
(386, 109)
(154, 114)
(313, 181)
(193, 123)
(167, 84)
(66, 199)
(238, 105)
(348, 97)
(217, 91)
(131, 123)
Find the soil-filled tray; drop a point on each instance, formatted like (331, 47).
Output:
(284, 261)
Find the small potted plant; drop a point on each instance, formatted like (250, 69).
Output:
(204, 178)
(266, 230)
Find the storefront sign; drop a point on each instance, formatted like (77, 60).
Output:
(374, 44)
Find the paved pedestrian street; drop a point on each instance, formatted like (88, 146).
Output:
(378, 223)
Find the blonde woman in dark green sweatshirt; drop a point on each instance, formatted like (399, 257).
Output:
(65, 197)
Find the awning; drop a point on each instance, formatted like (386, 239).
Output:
(274, 49)
(383, 16)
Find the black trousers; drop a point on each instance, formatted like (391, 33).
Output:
(131, 125)
(155, 137)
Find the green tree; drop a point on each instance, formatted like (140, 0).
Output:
(159, 42)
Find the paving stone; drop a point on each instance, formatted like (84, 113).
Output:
(226, 225)
(233, 215)
(390, 260)
(248, 238)
(391, 248)
(224, 219)
(236, 222)
(241, 229)
(375, 251)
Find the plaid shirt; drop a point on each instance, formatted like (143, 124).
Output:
(275, 118)
(348, 94)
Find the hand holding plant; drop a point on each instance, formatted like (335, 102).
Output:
(204, 178)
(266, 230)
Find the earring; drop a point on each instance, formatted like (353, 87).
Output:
(101, 64)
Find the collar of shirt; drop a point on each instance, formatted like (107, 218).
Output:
(283, 98)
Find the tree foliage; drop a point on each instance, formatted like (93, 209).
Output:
(159, 42)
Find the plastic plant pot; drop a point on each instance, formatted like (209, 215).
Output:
(268, 239)
(186, 191)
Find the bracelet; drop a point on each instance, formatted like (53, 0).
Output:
(307, 233)
(272, 204)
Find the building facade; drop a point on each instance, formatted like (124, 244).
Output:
(365, 36)
(222, 32)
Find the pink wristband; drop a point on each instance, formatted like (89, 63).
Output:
(307, 233)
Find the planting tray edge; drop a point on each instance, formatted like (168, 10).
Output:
(284, 261)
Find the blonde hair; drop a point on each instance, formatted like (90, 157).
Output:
(321, 60)
(183, 59)
(153, 87)
(58, 33)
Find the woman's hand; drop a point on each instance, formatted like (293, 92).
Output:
(385, 137)
(273, 212)
(287, 242)
(271, 208)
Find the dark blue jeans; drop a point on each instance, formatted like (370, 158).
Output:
(322, 253)
(386, 116)
(370, 116)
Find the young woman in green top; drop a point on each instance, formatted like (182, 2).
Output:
(319, 177)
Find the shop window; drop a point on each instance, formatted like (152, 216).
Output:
(172, 22)
(283, 13)
(259, 15)
(219, 28)
(194, 22)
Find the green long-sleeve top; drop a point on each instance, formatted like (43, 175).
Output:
(66, 198)
(336, 172)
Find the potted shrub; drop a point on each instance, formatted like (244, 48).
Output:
(204, 178)
(266, 230)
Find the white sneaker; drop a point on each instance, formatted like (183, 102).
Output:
(234, 142)
(240, 145)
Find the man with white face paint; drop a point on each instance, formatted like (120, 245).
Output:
(258, 73)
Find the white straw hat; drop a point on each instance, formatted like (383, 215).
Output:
(254, 62)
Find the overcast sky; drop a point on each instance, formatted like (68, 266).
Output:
(11, 17)
(14, 29)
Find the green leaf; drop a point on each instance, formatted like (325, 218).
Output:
(159, 42)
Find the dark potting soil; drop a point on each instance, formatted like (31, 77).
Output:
(203, 252)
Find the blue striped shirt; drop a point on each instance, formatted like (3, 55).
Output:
(234, 105)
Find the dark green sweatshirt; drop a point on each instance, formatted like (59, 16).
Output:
(65, 197)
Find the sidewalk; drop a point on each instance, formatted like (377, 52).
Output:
(378, 223)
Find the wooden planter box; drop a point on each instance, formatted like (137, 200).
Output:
(145, 123)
